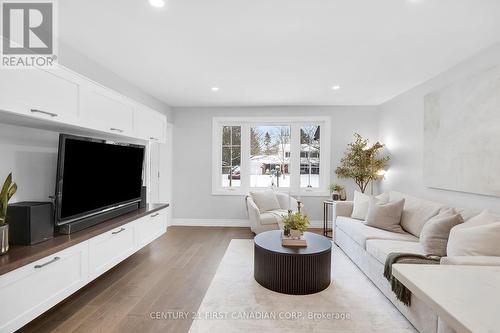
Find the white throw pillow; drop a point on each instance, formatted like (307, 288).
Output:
(265, 200)
(478, 240)
(386, 216)
(361, 203)
(485, 217)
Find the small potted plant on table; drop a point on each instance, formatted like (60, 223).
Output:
(336, 191)
(8, 190)
(295, 224)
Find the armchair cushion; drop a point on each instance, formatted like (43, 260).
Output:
(272, 217)
(265, 200)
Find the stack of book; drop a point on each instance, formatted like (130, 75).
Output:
(289, 241)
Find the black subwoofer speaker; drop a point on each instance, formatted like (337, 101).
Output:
(30, 222)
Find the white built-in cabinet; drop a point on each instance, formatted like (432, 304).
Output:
(31, 290)
(61, 96)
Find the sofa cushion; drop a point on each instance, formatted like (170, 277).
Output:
(361, 203)
(272, 216)
(436, 231)
(265, 200)
(380, 248)
(360, 233)
(416, 212)
(386, 216)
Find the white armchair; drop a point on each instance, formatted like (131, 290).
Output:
(261, 221)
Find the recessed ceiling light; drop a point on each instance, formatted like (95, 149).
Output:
(157, 3)
(336, 87)
(215, 88)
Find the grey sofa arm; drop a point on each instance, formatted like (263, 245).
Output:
(342, 208)
(471, 260)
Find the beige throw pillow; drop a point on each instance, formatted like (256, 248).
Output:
(477, 237)
(265, 200)
(385, 216)
(435, 233)
(361, 203)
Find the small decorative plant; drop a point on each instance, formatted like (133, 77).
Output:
(295, 222)
(336, 191)
(8, 190)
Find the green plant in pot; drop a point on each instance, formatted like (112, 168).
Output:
(336, 191)
(8, 190)
(295, 224)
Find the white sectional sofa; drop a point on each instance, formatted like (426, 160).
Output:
(368, 248)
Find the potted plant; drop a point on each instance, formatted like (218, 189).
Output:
(295, 224)
(336, 191)
(362, 162)
(8, 190)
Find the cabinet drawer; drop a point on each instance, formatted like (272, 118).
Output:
(39, 93)
(150, 125)
(104, 110)
(150, 227)
(107, 250)
(32, 289)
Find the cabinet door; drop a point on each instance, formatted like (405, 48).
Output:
(108, 249)
(151, 227)
(150, 125)
(104, 110)
(32, 289)
(39, 93)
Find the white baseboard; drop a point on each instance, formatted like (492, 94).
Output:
(224, 222)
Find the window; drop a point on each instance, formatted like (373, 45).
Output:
(290, 154)
(231, 156)
(269, 156)
(309, 156)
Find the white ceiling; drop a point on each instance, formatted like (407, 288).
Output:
(278, 52)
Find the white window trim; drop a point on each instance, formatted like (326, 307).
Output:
(246, 123)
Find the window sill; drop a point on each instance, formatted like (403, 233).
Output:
(241, 193)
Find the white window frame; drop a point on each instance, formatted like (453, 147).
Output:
(295, 123)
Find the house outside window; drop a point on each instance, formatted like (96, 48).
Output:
(289, 154)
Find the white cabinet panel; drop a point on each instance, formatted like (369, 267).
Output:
(151, 227)
(29, 291)
(39, 93)
(104, 110)
(108, 249)
(150, 125)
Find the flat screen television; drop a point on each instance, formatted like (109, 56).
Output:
(94, 176)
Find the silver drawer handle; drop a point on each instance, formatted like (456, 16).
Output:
(44, 112)
(47, 263)
(117, 232)
(153, 138)
(154, 215)
(116, 130)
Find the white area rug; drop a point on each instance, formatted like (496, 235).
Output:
(235, 302)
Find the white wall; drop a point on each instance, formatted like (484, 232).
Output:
(401, 128)
(31, 155)
(192, 173)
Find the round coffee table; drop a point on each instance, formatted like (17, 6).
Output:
(292, 270)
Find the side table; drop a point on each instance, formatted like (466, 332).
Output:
(327, 231)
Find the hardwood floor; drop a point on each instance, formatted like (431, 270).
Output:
(171, 274)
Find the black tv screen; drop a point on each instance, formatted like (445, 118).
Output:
(95, 175)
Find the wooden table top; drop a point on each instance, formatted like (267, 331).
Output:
(21, 255)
